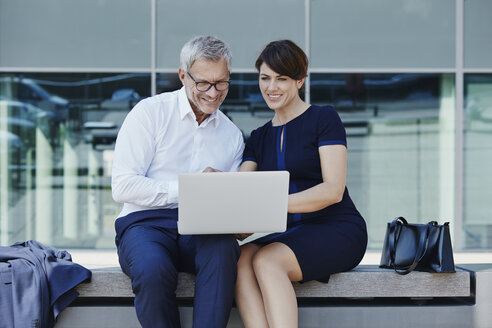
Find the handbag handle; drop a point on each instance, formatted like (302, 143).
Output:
(421, 249)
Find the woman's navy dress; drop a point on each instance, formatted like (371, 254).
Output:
(327, 241)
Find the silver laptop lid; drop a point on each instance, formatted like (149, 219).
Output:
(233, 202)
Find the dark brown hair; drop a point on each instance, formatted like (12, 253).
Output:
(284, 57)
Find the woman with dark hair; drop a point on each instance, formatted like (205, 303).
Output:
(325, 232)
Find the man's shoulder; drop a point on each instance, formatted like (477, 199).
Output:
(162, 98)
(161, 103)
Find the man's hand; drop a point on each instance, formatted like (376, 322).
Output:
(242, 236)
(210, 169)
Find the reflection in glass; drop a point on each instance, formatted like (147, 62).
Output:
(477, 158)
(244, 104)
(57, 134)
(400, 133)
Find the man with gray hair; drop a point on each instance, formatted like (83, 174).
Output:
(163, 136)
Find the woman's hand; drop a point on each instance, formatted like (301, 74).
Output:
(248, 166)
(210, 169)
(242, 236)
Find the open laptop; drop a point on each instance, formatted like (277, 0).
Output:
(233, 202)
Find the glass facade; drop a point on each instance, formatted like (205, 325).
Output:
(75, 34)
(382, 34)
(477, 225)
(478, 39)
(57, 138)
(399, 134)
(417, 118)
(245, 25)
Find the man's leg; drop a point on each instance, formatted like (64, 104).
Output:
(214, 260)
(148, 256)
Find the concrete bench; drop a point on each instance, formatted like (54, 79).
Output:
(365, 281)
(361, 297)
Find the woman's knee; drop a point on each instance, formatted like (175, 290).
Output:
(245, 262)
(265, 261)
(276, 259)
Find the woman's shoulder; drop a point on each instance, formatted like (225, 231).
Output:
(261, 130)
(325, 114)
(323, 109)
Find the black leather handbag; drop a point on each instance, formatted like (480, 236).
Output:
(421, 247)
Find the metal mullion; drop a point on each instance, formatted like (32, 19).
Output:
(153, 48)
(73, 70)
(459, 96)
(307, 45)
(383, 70)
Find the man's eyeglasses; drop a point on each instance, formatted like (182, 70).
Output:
(205, 86)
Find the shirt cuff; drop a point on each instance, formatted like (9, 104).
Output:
(172, 192)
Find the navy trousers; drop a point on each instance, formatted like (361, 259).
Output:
(151, 253)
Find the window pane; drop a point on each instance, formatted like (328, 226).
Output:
(247, 26)
(477, 222)
(477, 34)
(68, 33)
(244, 104)
(400, 134)
(57, 134)
(382, 33)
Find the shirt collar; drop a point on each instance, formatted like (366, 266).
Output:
(185, 110)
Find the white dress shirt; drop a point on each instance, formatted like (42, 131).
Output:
(161, 138)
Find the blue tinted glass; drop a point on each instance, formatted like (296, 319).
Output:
(244, 104)
(57, 134)
(477, 129)
(400, 146)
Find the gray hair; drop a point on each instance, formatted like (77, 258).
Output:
(204, 47)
